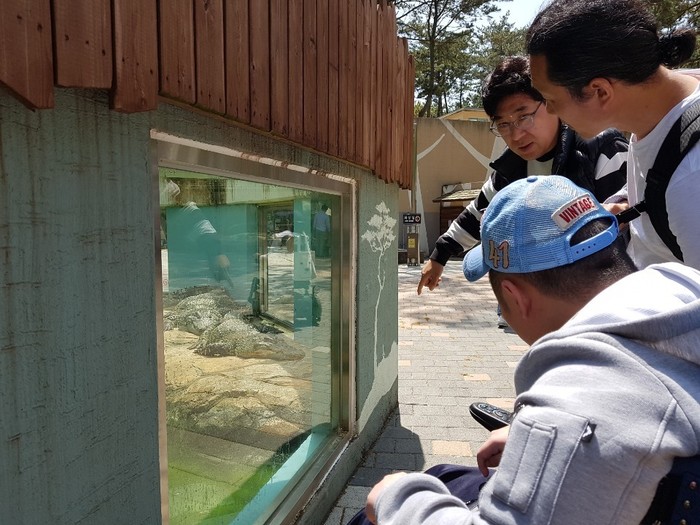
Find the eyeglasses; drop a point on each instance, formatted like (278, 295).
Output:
(526, 121)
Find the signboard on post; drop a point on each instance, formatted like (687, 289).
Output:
(411, 218)
(412, 221)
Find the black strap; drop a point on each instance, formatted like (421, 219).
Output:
(683, 135)
(631, 213)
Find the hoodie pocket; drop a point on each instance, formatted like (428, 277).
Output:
(536, 459)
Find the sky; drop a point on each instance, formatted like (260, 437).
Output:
(521, 11)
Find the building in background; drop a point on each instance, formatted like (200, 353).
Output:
(451, 151)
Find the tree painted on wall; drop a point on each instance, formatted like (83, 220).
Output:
(380, 237)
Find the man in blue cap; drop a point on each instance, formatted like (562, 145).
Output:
(607, 395)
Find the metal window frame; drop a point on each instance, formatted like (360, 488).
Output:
(177, 152)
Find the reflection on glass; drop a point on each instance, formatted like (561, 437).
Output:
(247, 314)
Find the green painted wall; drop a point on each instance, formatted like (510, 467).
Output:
(377, 285)
(78, 372)
(78, 438)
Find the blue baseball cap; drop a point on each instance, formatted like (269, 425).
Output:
(528, 226)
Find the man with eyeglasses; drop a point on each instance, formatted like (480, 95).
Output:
(538, 143)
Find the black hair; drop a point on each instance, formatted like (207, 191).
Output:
(511, 76)
(583, 278)
(617, 39)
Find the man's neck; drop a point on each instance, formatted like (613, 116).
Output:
(653, 100)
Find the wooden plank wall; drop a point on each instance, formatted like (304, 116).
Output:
(330, 75)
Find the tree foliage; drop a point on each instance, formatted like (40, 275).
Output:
(439, 33)
(672, 14)
(455, 43)
(497, 39)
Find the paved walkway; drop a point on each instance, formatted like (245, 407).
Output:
(451, 353)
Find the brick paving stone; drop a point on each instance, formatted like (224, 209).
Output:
(434, 459)
(368, 477)
(409, 446)
(395, 460)
(451, 354)
(477, 377)
(452, 448)
(335, 517)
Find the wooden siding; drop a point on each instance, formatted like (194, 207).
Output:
(83, 44)
(135, 54)
(330, 75)
(177, 77)
(26, 58)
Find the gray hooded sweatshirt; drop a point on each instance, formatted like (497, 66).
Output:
(604, 406)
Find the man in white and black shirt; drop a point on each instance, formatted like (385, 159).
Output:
(538, 143)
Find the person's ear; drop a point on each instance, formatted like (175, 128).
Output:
(601, 89)
(517, 298)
